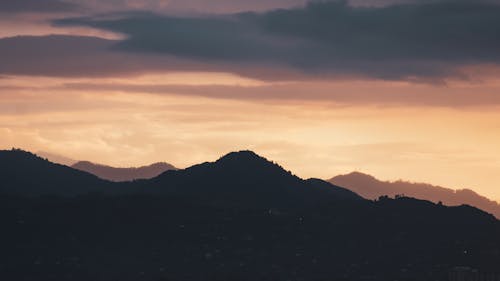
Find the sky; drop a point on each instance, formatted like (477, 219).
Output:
(398, 89)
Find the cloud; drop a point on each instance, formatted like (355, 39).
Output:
(191, 6)
(85, 56)
(38, 6)
(169, 6)
(425, 41)
(367, 93)
(57, 55)
(78, 56)
(407, 41)
(225, 6)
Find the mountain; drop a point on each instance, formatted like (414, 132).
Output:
(28, 174)
(245, 179)
(372, 188)
(239, 178)
(241, 217)
(108, 172)
(123, 174)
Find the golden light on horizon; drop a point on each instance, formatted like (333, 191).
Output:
(115, 90)
(452, 147)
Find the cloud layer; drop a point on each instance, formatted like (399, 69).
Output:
(426, 40)
(38, 6)
(79, 56)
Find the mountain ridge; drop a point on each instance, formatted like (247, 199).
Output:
(229, 220)
(259, 181)
(26, 173)
(120, 174)
(371, 188)
(243, 178)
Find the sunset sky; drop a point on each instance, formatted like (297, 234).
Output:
(398, 89)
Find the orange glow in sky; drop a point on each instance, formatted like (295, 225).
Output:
(449, 146)
(133, 105)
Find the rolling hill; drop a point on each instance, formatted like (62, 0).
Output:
(371, 188)
(25, 173)
(244, 179)
(123, 174)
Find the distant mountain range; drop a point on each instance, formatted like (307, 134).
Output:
(123, 174)
(238, 178)
(108, 172)
(241, 217)
(365, 185)
(371, 188)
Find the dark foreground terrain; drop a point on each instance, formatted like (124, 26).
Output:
(240, 218)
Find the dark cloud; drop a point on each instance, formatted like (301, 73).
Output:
(39, 6)
(55, 55)
(189, 6)
(78, 56)
(173, 6)
(403, 41)
(81, 56)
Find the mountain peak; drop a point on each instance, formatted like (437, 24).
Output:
(357, 174)
(354, 177)
(123, 174)
(242, 155)
(245, 179)
(249, 161)
(18, 152)
(17, 155)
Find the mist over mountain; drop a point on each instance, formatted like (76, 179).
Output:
(371, 188)
(108, 172)
(123, 174)
(241, 217)
(56, 158)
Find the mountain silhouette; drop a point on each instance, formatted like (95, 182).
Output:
(123, 174)
(239, 178)
(27, 174)
(245, 179)
(371, 188)
(241, 217)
